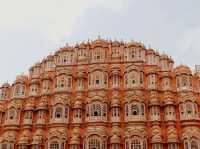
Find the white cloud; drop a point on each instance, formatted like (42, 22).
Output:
(56, 16)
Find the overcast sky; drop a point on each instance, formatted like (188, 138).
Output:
(31, 29)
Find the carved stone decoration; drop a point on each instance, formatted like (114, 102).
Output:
(24, 137)
(190, 132)
(172, 135)
(59, 133)
(98, 130)
(135, 131)
(9, 136)
(156, 134)
(38, 136)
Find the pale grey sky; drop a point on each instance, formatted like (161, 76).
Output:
(31, 29)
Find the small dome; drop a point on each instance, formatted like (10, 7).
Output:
(115, 43)
(164, 56)
(21, 79)
(5, 85)
(183, 69)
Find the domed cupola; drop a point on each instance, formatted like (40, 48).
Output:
(4, 91)
(19, 86)
(35, 71)
(183, 78)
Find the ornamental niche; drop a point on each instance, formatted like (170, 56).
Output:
(102, 95)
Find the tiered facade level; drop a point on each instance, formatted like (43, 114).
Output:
(102, 95)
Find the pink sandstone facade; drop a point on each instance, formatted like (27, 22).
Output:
(102, 95)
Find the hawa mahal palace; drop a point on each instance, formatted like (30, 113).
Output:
(102, 95)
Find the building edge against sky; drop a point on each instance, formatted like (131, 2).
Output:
(102, 95)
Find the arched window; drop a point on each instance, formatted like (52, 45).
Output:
(58, 112)
(61, 82)
(45, 86)
(6, 145)
(54, 145)
(189, 108)
(134, 110)
(96, 110)
(12, 114)
(94, 143)
(186, 145)
(19, 90)
(194, 144)
(135, 143)
(98, 79)
(184, 81)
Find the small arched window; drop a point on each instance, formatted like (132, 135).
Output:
(58, 112)
(54, 145)
(194, 144)
(96, 110)
(186, 144)
(12, 114)
(184, 81)
(94, 143)
(134, 109)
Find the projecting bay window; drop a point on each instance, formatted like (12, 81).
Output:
(28, 115)
(46, 86)
(34, 89)
(60, 114)
(41, 116)
(170, 113)
(66, 58)
(63, 83)
(3, 93)
(152, 81)
(166, 84)
(12, 116)
(115, 117)
(188, 110)
(155, 113)
(134, 111)
(19, 91)
(98, 80)
(183, 82)
(96, 111)
(80, 84)
(77, 117)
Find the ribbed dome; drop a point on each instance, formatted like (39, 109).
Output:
(183, 69)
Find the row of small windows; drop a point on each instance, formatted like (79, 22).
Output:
(98, 143)
(96, 80)
(98, 111)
